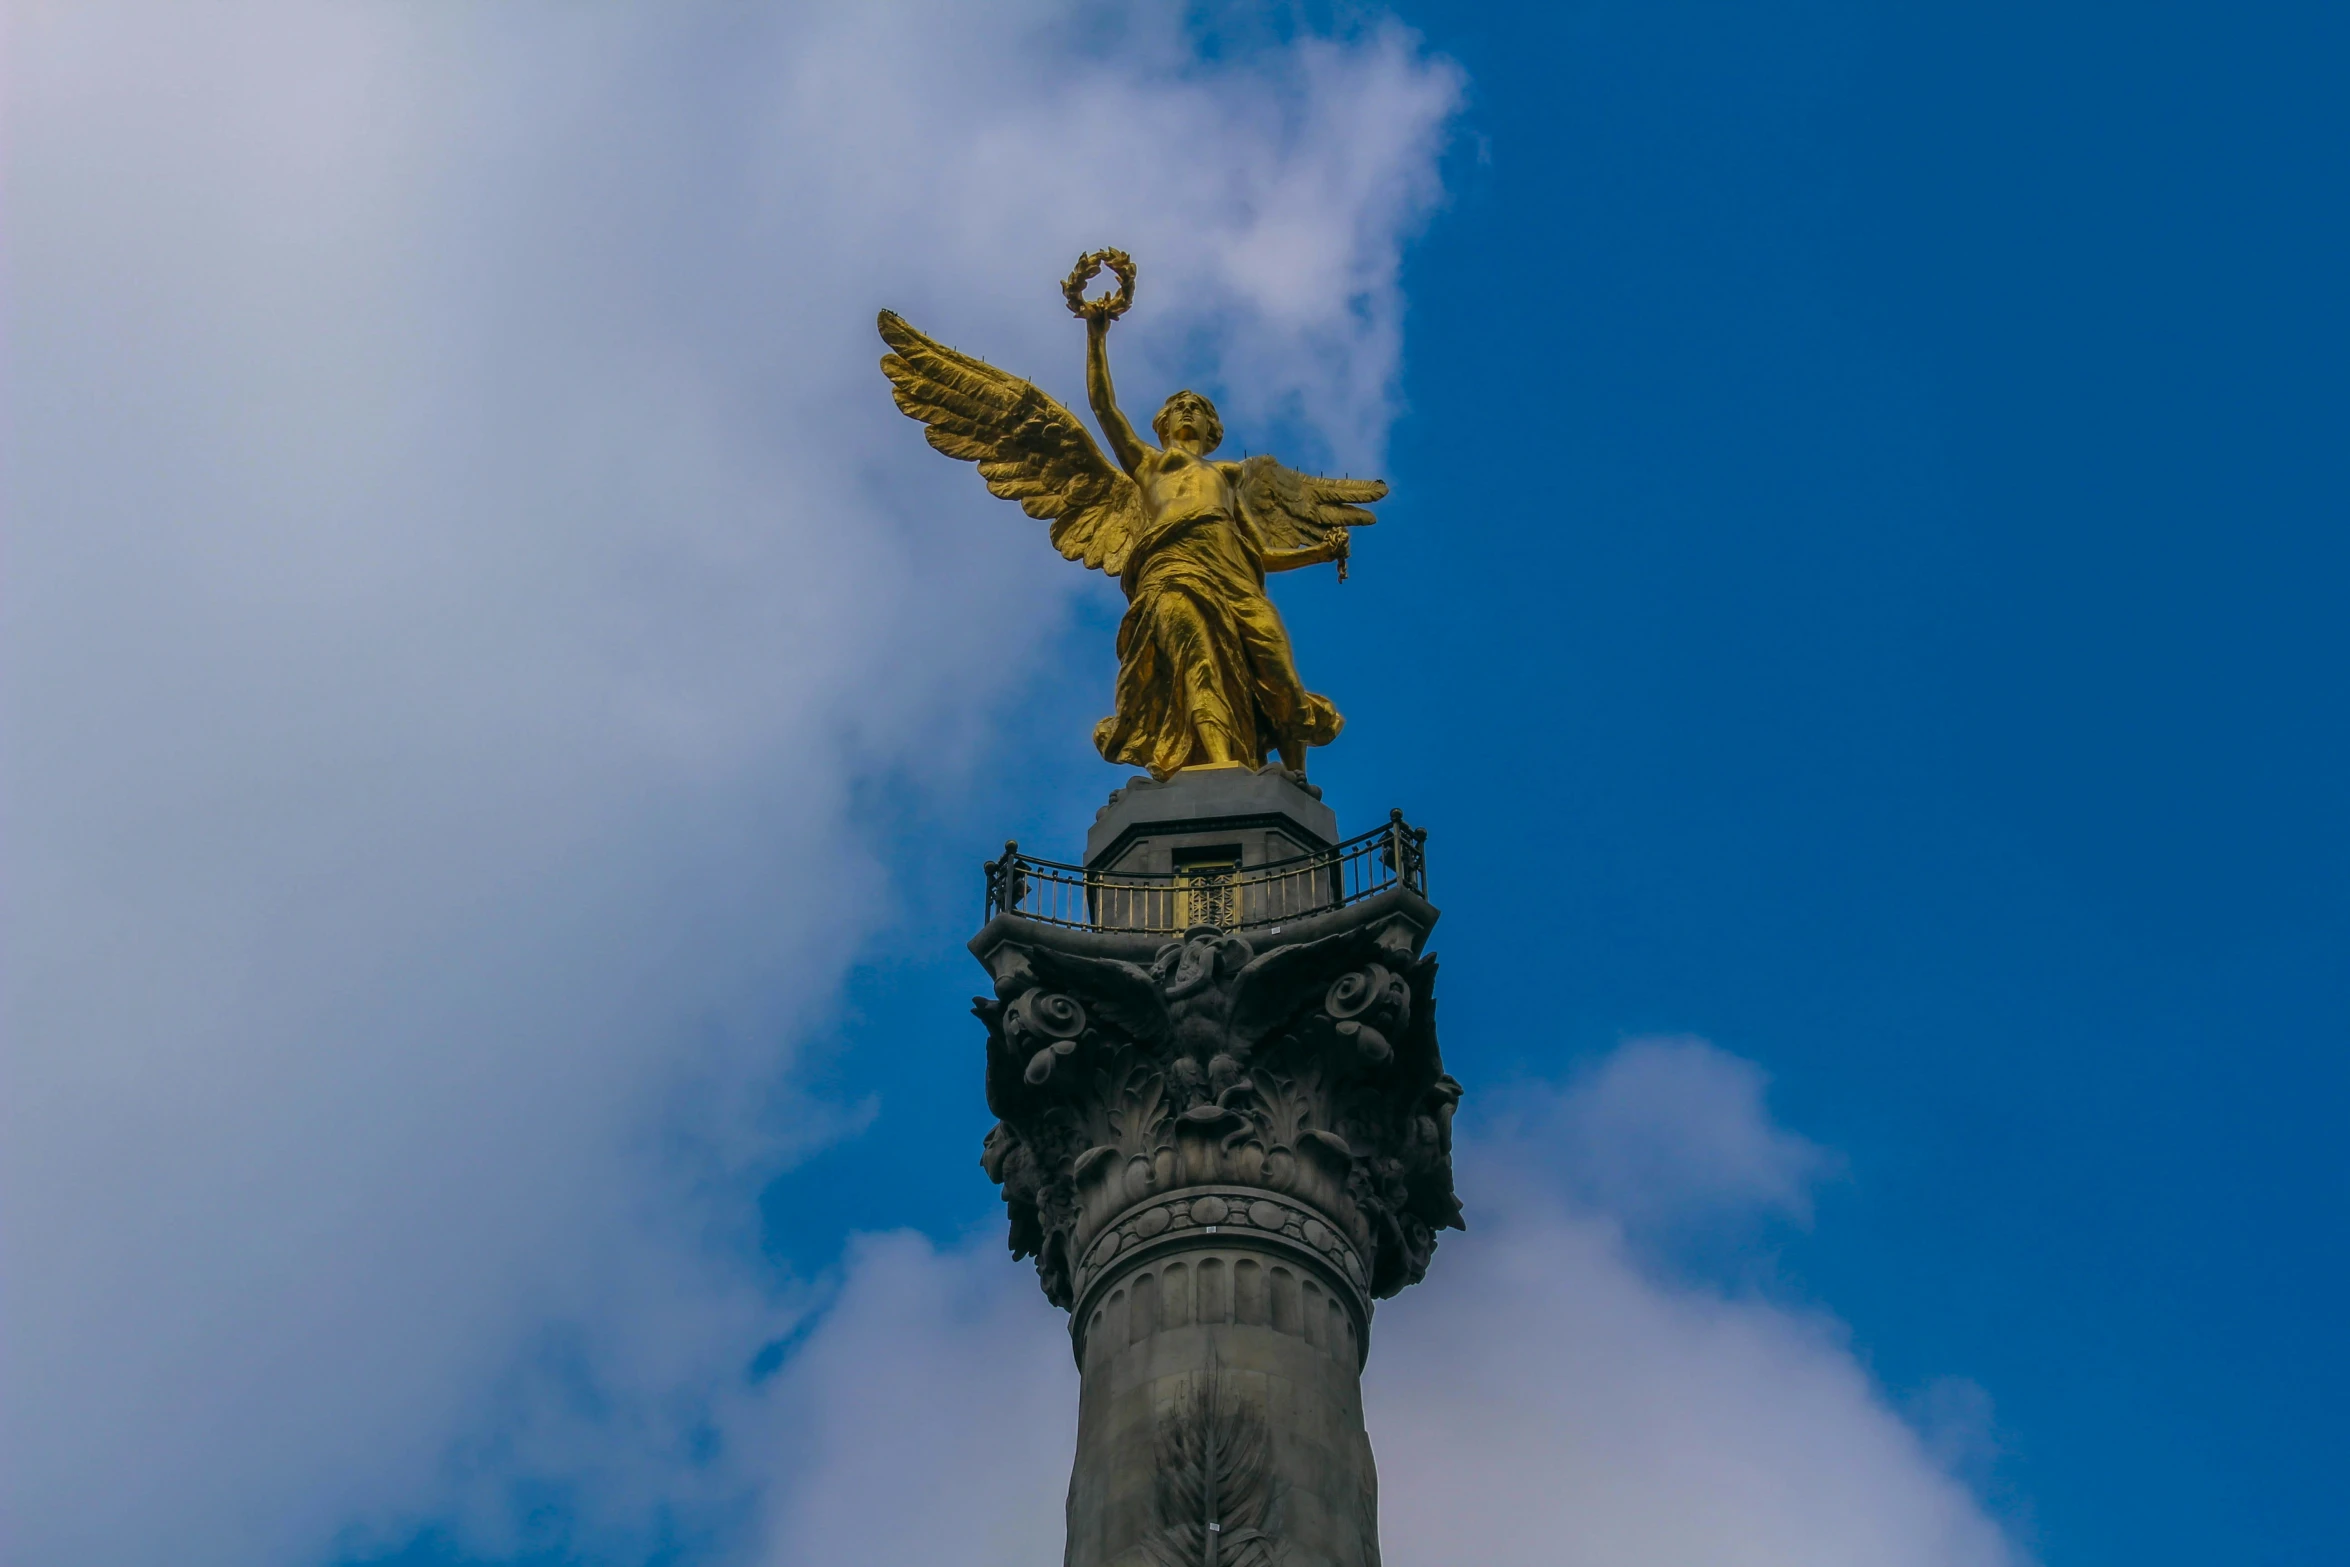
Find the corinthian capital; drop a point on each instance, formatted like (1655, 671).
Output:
(1284, 1086)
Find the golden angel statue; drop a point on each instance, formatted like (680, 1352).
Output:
(1205, 676)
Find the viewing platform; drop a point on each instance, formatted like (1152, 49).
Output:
(1236, 851)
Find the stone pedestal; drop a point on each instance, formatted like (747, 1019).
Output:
(1263, 817)
(1221, 1146)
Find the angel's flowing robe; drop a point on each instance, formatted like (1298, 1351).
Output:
(1204, 668)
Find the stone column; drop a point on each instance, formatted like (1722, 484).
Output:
(1221, 1148)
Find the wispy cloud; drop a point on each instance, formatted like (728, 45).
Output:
(462, 564)
(933, 1413)
(1548, 1396)
(1557, 1394)
(1667, 1135)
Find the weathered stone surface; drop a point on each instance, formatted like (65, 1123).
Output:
(1220, 1149)
(1265, 1340)
(1125, 1067)
(1270, 815)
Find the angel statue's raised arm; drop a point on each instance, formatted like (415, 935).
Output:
(1205, 675)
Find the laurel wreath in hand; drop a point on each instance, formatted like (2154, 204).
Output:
(1107, 307)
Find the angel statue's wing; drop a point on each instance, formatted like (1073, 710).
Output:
(1292, 510)
(1029, 448)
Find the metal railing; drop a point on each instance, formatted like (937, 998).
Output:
(1175, 901)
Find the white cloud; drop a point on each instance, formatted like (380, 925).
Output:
(932, 1415)
(1670, 1134)
(462, 562)
(1548, 1396)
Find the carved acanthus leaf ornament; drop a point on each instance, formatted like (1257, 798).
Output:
(1308, 1069)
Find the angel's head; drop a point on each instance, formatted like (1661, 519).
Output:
(1187, 416)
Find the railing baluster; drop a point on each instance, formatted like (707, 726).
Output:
(1394, 855)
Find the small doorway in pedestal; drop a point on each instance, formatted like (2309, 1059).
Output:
(1204, 886)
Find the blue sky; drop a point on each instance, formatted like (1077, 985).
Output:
(1865, 585)
(504, 722)
(1931, 539)
(1937, 576)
